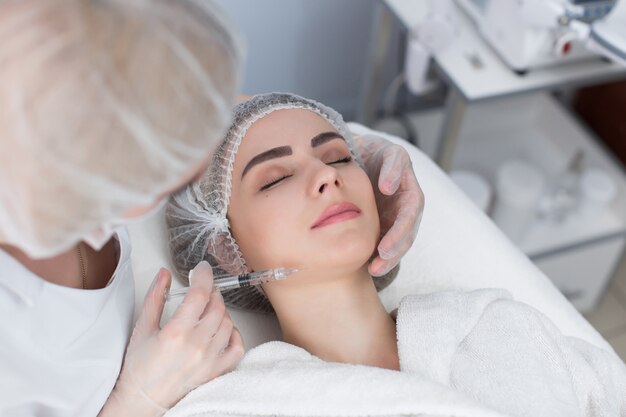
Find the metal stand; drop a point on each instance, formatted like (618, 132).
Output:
(373, 79)
(450, 128)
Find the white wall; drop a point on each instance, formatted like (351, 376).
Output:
(315, 48)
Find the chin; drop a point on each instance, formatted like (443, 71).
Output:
(350, 250)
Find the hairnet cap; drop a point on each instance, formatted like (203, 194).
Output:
(104, 107)
(197, 216)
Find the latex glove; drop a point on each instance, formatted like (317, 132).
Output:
(399, 198)
(196, 345)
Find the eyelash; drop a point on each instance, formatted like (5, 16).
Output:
(277, 180)
(342, 160)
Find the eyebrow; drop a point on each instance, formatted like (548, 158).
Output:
(282, 151)
(267, 155)
(324, 137)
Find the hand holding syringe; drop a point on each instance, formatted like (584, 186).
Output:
(229, 282)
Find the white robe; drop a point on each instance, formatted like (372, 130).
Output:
(61, 348)
(462, 354)
(508, 356)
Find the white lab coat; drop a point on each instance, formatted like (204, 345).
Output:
(61, 348)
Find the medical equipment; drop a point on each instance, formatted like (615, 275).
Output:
(526, 34)
(432, 35)
(531, 34)
(230, 282)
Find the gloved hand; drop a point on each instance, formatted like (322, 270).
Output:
(399, 198)
(196, 345)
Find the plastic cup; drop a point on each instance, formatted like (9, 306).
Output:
(475, 187)
(519, 186)
(598, 190)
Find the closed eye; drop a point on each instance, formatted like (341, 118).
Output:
(342, 160)
(273, 182)
(278, 180)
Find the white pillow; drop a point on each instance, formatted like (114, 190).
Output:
(457, 247)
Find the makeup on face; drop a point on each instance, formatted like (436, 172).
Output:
(282, 151)
(337, 213)
(302, 193)
(277, 173)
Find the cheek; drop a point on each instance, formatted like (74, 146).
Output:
(348, 247)
(364, 193)
(272, 230)
(267, 231)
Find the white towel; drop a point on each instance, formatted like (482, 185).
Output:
(461, 354)
(508, 356)
(278, 379)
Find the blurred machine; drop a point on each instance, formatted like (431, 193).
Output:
(526, 34)
(531, 34)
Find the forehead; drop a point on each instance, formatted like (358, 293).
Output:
(288, 127)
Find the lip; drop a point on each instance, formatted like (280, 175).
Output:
(337, 213)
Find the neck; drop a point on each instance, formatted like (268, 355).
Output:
(65, 268)
(59, 269)
(338, 318)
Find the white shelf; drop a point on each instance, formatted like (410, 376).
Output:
(578, 255)
(534, 127)
(494, 78)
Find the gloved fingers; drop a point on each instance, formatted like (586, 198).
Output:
(409, 206)
(192, 307)
(401, 234)
(201, 276)
(154, 301)
(396, 162)
(368, 144)
(235, 342)
(213, 315)
(222, 336)
(379, 266)
(233, 353)
(396, 242)
(195, 302)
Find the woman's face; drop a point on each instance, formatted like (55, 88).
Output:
(298, 199)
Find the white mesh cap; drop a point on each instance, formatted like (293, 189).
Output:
(104, 106)
(197, 220)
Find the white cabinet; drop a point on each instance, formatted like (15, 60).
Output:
(582, 272)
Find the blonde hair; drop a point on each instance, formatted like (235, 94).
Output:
(105, 104)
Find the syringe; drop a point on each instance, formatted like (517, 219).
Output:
(229, 282)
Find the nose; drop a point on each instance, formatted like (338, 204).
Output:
(325, 178)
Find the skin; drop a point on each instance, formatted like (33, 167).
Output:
(334, 291)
